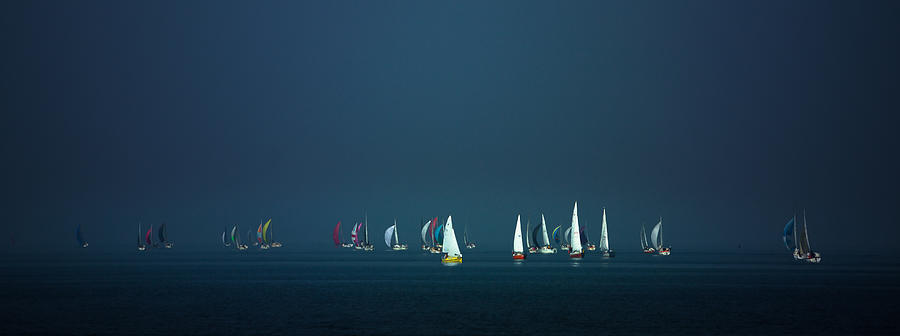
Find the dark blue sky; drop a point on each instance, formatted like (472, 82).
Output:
(719, 116)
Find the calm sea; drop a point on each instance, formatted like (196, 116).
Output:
(342, 292)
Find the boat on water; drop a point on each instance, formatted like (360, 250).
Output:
(80, 237)
(566, 236)
(796, 240)
(469, 244)
(645, 244)
(449, 247)
(163, 237)
(367, 246)
(437, 244)
(260, 239)
(518, 252)
(336, 236)
(586, 241)
(533, 238)
(269, 235)
(657, 241)
(545, 248)
(391, 239)
(425, 227)
(604, 238)
(556, 234)
(225, 242)
(575, 251)
(142, 247)
(354, 236)
(236, 239)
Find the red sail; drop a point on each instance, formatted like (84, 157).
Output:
(337, 234)
(148, 236)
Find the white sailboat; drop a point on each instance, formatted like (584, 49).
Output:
(531, 248)
(391, 239)
(367, 246)
(469, 244)
(425, 246)
(142, 247)
(575, 251)
(449, 247)
(518, 252)
(645, 246)
(657, 241)
(797, 240)
(567, 235)
(604, 239)
(546, 248)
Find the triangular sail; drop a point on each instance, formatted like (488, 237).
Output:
(517, 237)
(644, 244)
(237, 237)
(576, 231)
(527, 239)
(259, 237)
(544, 231)
(567, 235)
(389, 235)
(604, 237)
(802, 237)
(425, 232)
(449, 244)
(336, 236)
(654, 235)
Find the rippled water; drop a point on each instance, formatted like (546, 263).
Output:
(347, 292)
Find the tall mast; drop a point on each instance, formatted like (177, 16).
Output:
(367, 226)
(396, 240)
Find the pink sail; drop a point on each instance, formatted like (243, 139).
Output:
(148, 236)
(337, 234)
(355, 236)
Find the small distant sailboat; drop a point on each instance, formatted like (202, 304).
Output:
(337, 237)
(604, 239)
(436, 243)
(518, 252)
(163, 237)
(546, 248)
(645, 245)
(469, 244)
(533, 237)
(271, 235)
(259, 237)
(449, 247)
(425, 227)
(657, 241)
(142, 247)
(575, 251)
(586, 241)
(225, 242)
(367, 246)
(80, 237)
(797, 241)
(236, 239)
(556, 236)
(391, 239)
(566, 245)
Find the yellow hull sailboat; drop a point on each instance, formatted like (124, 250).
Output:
(449, 247)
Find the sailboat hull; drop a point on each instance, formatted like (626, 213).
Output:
(591, 247)
(518, 256)
(609, 254)
(548, 250)
(576, 255)
(451, 260)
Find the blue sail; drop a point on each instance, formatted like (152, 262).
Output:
(556, 235)
(437, 233)
(789, 235)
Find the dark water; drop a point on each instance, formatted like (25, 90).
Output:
(346, 292)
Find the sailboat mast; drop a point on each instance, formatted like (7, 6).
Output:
(367, 227)
(396, 239)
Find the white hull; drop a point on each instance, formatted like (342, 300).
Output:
(399, 248)
(548, 250)
(276, 244)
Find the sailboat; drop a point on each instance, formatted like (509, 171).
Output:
(366, 245)
(645, 245)
(336, 236)
(225, 242)
(259, 237)
(147, 237)
(270, 235)
(425, 246)
(657, 241)
(349, 243)
(566, 245)
(354, 236)
(391, 235)
(604, 238)
(797, 241)
(163, 236)
(518, 252)
(469, 244)
(546, 248)
(236, 239)
(575, 251)
(142, 247)
(449, 247)
(586, 241)
(80, 237)
(531, 249)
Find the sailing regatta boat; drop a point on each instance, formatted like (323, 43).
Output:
(425, 246)
(142, 247)
(531, 249)
(586, 241)
(163, 237)
(271, 235)
(546, 248)
(449, 247)
(436, 243)
(336, 236)
(518, 252)
(797, 240)
(469, 244)
(645, 245)
(575, 251)
(565, 237)
(225, 242)
(604, 238)
(391, 234)
(656, 239)
(236, 239)
(366, 245)
(80, 237)
(259, 237)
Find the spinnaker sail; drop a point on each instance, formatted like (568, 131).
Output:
(336, 236)
(789, 235)
(389, 235)
(655, 235)
(265, 229)
(425, 232)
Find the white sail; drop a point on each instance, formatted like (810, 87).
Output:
(544, 231)
(449, 245)
(389, 234)
(517, 237)
(654, 235)
(568, 235)
(643, 237)
(527, 236)
(425, 232)
(576, 231)
(604, 238)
